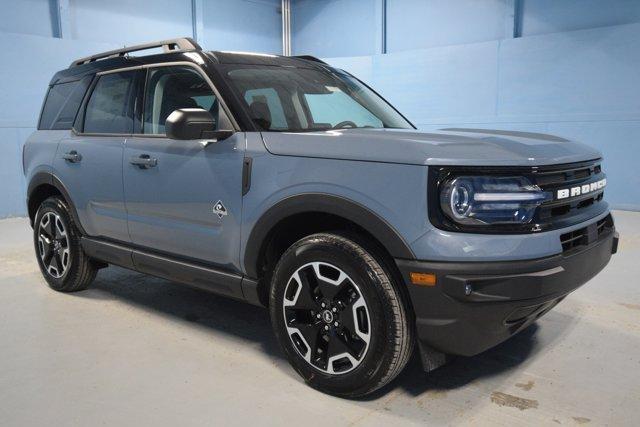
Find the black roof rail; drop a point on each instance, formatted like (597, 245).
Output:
(171, 45)
(310, 58)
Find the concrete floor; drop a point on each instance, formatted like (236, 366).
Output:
(135, 350)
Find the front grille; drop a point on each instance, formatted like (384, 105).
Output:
(563, 210)
(581, 237)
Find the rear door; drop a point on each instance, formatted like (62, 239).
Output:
(89, 161)
(186, 201)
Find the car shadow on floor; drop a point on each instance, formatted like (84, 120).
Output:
(251, 323)
(203, 309)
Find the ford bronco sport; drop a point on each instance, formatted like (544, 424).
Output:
(289, 184)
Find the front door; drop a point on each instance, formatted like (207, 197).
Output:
(183, 198)
(89, 161)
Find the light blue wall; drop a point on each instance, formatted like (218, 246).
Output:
(129, 22)
(33, 52)
(330, 28)
(419, 24)
(456, 63)
(27, 17)
(323, 28)
(553, 16)
(254, 25)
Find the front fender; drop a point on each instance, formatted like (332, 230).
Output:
(387, 200)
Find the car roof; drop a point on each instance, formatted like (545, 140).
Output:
(76, 72)
(251, 58)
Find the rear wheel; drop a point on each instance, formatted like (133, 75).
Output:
(62, 261)
(338, 316)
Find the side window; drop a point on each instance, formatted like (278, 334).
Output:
(266, 108)
(171, 88)
(62, 104)
(110, 107)
(331, 108)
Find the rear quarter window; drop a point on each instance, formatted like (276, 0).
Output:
(62, 103)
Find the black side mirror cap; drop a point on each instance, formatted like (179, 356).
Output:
(193, 123)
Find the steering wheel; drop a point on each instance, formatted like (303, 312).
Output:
(347, 124)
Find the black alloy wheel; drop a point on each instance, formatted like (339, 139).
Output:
(327, 318)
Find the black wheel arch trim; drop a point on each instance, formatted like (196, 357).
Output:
(328, 204)
(48, 178)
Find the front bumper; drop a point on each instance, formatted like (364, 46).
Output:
(476, 305)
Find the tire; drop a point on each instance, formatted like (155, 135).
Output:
(361, 338)
(64, 265)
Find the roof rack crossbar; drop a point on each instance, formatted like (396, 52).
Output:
(171, 45)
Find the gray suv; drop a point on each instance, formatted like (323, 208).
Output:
(289, 184)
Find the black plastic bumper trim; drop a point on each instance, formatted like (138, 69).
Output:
(476, 305)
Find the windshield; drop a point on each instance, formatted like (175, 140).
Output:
(291, 99)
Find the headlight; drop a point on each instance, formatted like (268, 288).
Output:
(487, 200)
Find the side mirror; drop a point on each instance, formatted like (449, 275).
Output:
(193, 123)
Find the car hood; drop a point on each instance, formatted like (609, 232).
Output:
(454, 146)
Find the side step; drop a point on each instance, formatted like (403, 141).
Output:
(189, 273)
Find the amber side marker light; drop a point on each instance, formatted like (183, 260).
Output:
(423, 279)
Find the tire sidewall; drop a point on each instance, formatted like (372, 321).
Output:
(57, 206)
(321, 248)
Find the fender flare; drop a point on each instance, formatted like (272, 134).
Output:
(48, 178)
(322, 203)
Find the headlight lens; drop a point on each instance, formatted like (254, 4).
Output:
(486, 200)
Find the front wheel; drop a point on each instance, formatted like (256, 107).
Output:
(338, 316)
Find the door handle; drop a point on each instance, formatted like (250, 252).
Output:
(144, 161)
(72, 156)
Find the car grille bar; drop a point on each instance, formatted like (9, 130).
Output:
(558, 213)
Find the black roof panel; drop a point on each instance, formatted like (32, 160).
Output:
(249, 58)
(223, 57)
(242, 58)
